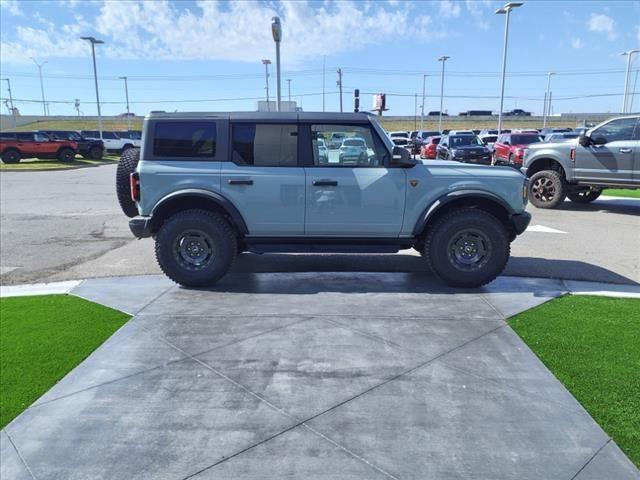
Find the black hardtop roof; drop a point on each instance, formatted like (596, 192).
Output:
(266, 116)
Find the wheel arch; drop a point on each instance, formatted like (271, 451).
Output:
(482, 200)
(197, 199)
(545, 163)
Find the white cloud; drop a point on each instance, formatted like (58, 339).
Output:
(576, 43)
(638, 33)
(238, 31)
(449, 9)
(11, 6)
(479, 10)
(601, 23)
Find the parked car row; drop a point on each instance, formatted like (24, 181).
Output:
(64, 144)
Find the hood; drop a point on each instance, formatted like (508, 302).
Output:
(559, 145)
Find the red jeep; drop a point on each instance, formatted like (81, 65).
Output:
(17, 145)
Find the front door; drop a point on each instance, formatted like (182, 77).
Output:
(263, 179)
(354, 192)
(610, 157)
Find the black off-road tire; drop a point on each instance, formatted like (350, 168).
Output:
(126, 166)
(443, 255)
(96, 153)
(11, 155)
(66, 155)
(547, 189)
(175, 236)
(585, 196)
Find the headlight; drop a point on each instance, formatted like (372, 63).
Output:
(455, 152)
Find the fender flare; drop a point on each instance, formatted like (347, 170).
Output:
(220, 200)
(449, 197)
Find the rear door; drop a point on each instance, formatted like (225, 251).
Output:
(263, 179)
(612, 161)
(26, 144)
(365, 198)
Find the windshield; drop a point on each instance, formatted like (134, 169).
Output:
(463, 140)
(524, 139)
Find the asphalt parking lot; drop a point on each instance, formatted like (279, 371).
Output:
(67, 225)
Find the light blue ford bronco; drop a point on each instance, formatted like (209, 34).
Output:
(207, 186)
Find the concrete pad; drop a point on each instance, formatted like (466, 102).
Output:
(166, 423)
(602, 289)
(200, 333)
(440, 423)
(512, 295)
(56, 288)
(129, 351)
(308, 367)
(127, 294)
(11, 466)
(296, 454)
(610, 462)
(502, 357)
(380, 294)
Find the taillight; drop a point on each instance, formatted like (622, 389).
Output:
(134, 182)
(572, 154)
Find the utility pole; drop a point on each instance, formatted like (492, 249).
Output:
(77, 106)
(44, 103)
(324, 62)
(126, 93)
(506, 10)
(13, 110)
(339, 83)
(289, 88)
(629, 54)
(95, 42)
(266, 63)
(424, 86)
(415, 111)
(547, 97)
(442, 59)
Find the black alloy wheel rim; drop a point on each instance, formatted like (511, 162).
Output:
(194, 250)
(543, 189)
(469, 249)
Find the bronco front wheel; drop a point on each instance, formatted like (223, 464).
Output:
(196, 248)
(467, 247)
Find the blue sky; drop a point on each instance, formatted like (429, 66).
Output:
(205, 55)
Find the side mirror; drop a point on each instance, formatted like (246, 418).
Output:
(402, 158)
(505, 143)
(584, 140)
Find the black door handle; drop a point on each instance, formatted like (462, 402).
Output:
(240, 182)
(325, 183)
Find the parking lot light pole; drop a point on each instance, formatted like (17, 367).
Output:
(506, 10)
(266, 62)
(424, 86)
(442, 59)
(126, 93)
(276, 31)
(629, 54)
(95, 42)
(547, 98)
(44, 103)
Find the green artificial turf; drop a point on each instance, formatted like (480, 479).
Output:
(621, 193)
(592, 345)
(41, 339)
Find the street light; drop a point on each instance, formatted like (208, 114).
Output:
(424, 85)
(547, 100)
(266, 62)
(276, 31)
(44, 103)
(95, 42)
(506, 10)
(126, 93)
(442, 59)
(629, 54)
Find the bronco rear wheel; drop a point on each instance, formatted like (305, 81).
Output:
(11, 156)
(66, 155)
(546, 189)
(196, 248)
(126, 166)
(467, 247)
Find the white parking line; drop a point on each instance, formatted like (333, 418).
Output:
(543, 229)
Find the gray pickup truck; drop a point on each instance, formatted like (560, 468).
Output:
(606, 156)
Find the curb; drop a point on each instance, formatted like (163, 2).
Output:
(59, 169)
(573, 287)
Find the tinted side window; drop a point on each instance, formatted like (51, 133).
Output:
(265, 145)
(621, 129)
(348, 145)
(109, 136)
(185, 139)
(7, 136)
(25, 137)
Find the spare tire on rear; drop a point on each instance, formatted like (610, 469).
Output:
(126, 166)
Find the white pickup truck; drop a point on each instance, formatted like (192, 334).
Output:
(113, 142)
